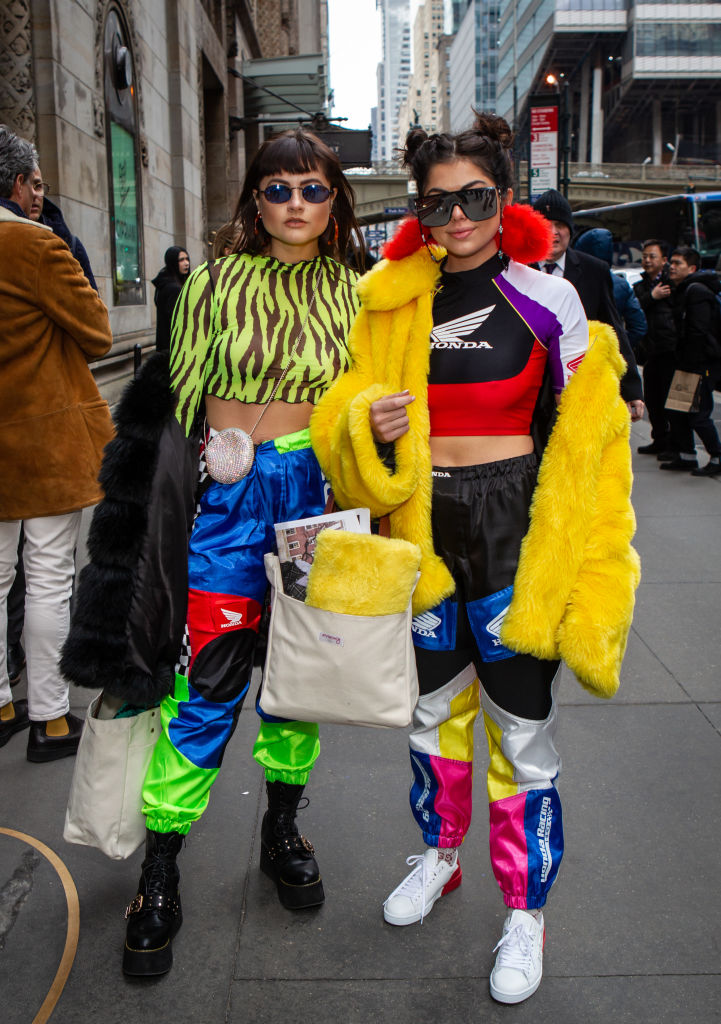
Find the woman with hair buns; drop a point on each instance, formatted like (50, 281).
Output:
(460, 355)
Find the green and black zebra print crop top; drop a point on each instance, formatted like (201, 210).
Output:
(234, 341)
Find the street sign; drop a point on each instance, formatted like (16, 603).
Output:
(399, 211)
(543, 165)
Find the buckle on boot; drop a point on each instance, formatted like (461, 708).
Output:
(134, 906)
(290, 844)
(158, 901)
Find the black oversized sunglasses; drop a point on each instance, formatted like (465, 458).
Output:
(477, 204)
(277, 193)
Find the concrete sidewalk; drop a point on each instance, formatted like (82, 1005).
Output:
(633, 923)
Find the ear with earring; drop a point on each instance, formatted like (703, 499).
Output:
(333, 226)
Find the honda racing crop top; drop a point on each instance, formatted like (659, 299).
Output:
(494, 331)
(235, 341)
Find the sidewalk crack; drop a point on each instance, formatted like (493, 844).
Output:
(15, 892)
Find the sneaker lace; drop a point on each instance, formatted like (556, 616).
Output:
(516, 949)
(409, 885)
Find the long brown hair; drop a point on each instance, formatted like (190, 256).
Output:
(297, 152)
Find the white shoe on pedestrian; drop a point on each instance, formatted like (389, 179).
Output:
(519, 964)
(430, 879)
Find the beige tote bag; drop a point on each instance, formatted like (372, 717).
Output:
(105, 804)
(323, 666)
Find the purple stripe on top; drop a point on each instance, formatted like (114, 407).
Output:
(544, 323)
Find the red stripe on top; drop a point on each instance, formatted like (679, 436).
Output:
(488, 408)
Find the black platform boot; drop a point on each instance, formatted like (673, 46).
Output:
(285, 855)
(154, 916)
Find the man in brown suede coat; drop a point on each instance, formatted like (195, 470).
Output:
(53, 427)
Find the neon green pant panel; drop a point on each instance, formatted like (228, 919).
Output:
(287, 750)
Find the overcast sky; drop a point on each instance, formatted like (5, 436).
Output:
(355, 51)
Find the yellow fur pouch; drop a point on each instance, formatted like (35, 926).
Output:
(362, 574)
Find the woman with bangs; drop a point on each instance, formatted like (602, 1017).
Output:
(257, 338)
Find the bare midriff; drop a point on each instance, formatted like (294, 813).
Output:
(472, 451)
(280, 418)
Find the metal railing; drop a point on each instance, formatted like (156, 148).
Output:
(682, 173)
(617, 172)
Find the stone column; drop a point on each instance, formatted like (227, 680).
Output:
(597, 114)
(656, 125)
(17, 94)
(582, 154)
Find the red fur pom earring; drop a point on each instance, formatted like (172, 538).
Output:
(526, 234)
(333, 225)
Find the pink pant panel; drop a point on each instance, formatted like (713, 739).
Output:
(440, 798)
(454, 799)
(509, 849)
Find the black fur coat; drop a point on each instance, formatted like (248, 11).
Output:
(131, 602)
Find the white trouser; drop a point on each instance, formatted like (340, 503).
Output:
(49, 560)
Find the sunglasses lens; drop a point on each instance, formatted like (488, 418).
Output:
(277, 193)
(433, 211)
(315, 193)
(478, 203)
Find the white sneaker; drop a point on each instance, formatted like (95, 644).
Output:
(428, 881)
(519, 964)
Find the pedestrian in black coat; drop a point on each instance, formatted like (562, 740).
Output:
(52, 216)
(592, 280)
(654, 294)
(698, 326)
(168, 286)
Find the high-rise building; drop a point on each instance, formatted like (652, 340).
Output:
(393, 72)
(454, 12)
(473, 63)
(423, 103)
(641, 79)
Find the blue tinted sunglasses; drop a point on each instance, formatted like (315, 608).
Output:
(278, 193)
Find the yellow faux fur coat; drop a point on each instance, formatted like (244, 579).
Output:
(577, 573)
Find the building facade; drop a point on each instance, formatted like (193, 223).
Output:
(393, 74)
(473, 64)
(423, 102)
(640, 80)
(139, 111)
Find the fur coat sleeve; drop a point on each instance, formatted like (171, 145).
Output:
(577, 574)
(390, 352)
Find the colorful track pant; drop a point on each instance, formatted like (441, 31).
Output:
(227, 587)
(480, 516)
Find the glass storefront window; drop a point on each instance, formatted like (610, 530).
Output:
(123, 152)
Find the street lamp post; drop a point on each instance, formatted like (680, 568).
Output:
(564, 117)
(565, 138)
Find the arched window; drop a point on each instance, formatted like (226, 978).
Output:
(123, 149)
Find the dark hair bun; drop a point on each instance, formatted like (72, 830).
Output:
(414, 140)
(493, 127)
